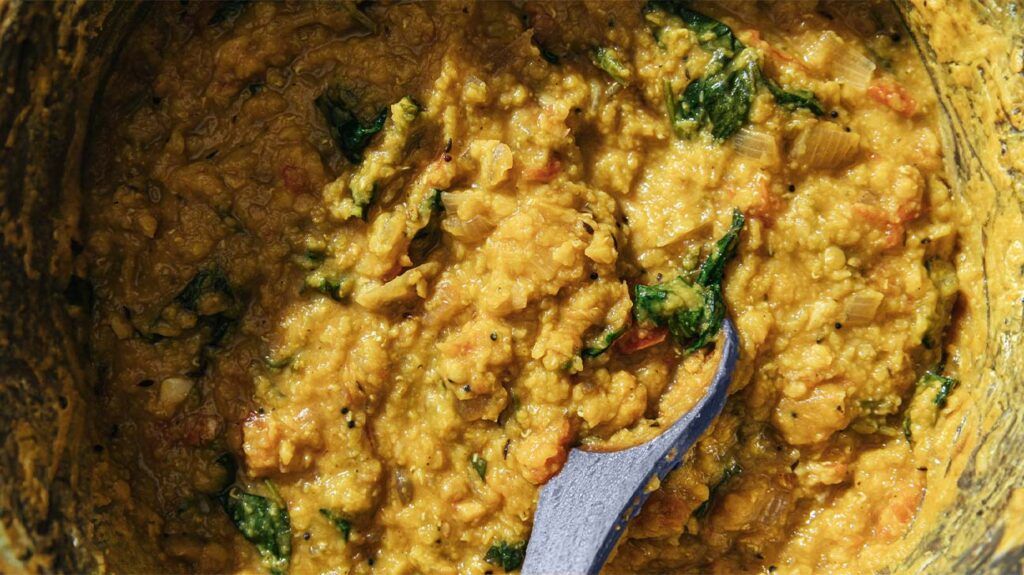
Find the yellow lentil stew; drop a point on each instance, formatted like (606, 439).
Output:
(364, 273)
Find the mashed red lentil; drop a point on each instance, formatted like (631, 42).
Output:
(365, 273)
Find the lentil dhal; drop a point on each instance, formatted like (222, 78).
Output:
(365, 273)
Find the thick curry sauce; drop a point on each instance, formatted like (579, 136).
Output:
(365, 274)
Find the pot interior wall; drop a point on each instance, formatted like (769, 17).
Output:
(55, 508)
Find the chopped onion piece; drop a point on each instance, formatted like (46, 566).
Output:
(862, 306)
(826, 145)
(756, 144)
(853, 68)
(495, 160)
(452, 200)
(831, 54)
(173, 391)
(403, 485)
(472, 230)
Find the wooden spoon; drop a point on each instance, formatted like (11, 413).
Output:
(583, 510)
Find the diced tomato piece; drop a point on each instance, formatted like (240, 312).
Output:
(895, 96)
(765, 205)
(545, 173)
(638, 338)
(893, 228)
(775, 58)
(754, 38)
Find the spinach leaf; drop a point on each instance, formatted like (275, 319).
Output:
(263, 523)
(694, 310)
(362, 186)
(508, 556)
(713, 269)
(794, 99)
(344, 526)
(713, 36)
(728, 473)
(721, 100)
(349, 133)
(688, 310)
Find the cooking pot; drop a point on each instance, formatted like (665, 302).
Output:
(54, 479)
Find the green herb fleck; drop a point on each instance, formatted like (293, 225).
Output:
(311, 259)
(728, 473)
(605, 59)
(794, 99)
(349, 133)
(330, 287)
(387, 164)
(946, 385)
(507, 556)
(479, 465)
(337, 288)
(344, 526)
(603, 343)
(572, 365)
